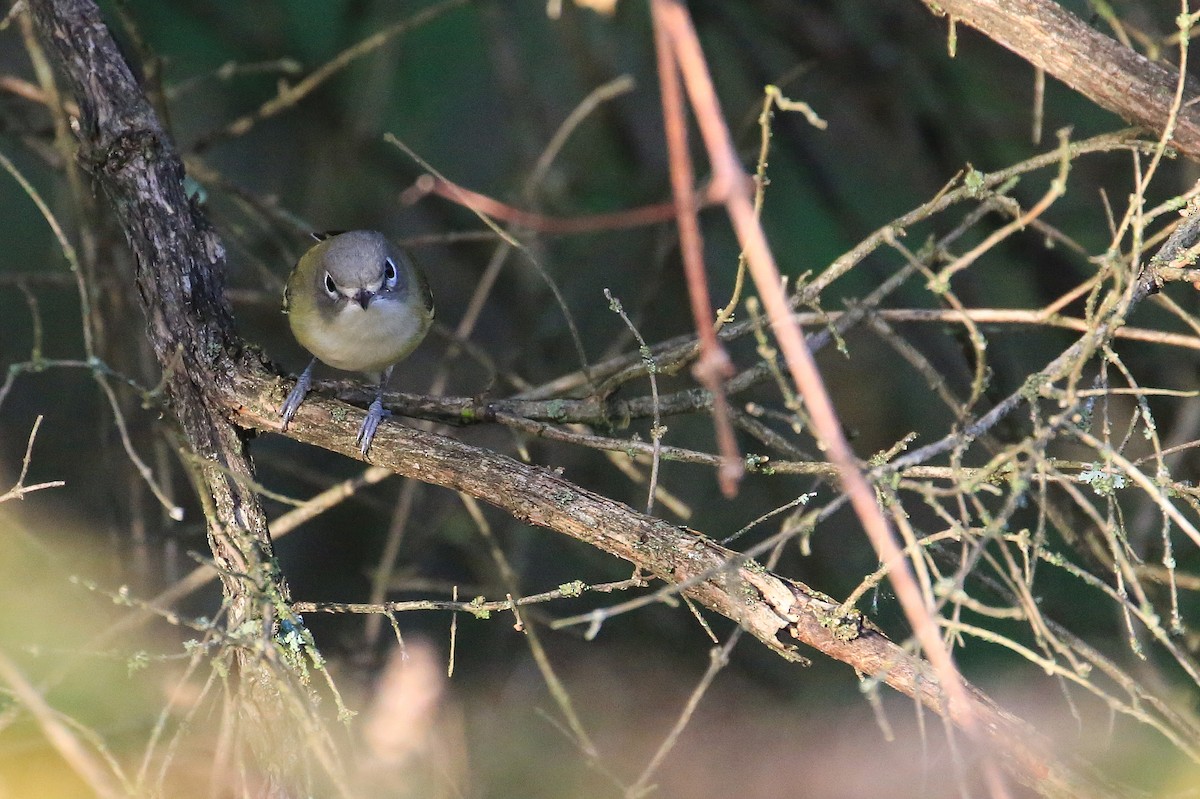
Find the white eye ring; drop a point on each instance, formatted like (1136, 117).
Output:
(330, 286)
(389, 271)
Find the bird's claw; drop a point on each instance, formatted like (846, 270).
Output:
(296, 397)
(375, 415)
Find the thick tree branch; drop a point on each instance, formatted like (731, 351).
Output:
(180, 274)
(1098, 67)
(774, 609)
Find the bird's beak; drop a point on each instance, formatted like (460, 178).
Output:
(364, 297)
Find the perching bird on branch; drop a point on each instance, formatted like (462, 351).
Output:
(359, 303)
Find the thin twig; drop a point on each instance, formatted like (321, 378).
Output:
(19, 489)
(289, 96)
(713, 366)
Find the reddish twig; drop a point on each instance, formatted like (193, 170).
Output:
(674, 25)
(542, 223)
(713, 367)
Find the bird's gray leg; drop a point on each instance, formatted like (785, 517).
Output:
(296, 395)
(375, 414)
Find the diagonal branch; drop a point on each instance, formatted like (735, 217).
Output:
(776, 610)
(1102, 69)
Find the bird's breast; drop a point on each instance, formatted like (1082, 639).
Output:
(362, 340)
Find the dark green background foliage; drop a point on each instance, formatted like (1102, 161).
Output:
(478, 93)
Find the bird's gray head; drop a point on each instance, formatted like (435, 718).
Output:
(359, 267)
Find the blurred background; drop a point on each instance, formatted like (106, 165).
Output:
(479, 91)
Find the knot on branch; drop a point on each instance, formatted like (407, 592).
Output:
(114, 155)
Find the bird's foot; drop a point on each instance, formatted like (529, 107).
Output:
(375, 415)
(296, 396)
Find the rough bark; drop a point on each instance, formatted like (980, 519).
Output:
(1102, 69)
(180, 270)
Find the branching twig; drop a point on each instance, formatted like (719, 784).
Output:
(288, 96)
(19, 489)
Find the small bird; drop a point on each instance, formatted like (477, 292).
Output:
(359, 303)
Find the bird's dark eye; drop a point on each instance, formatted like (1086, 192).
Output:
(389, 271)
(330, 286)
